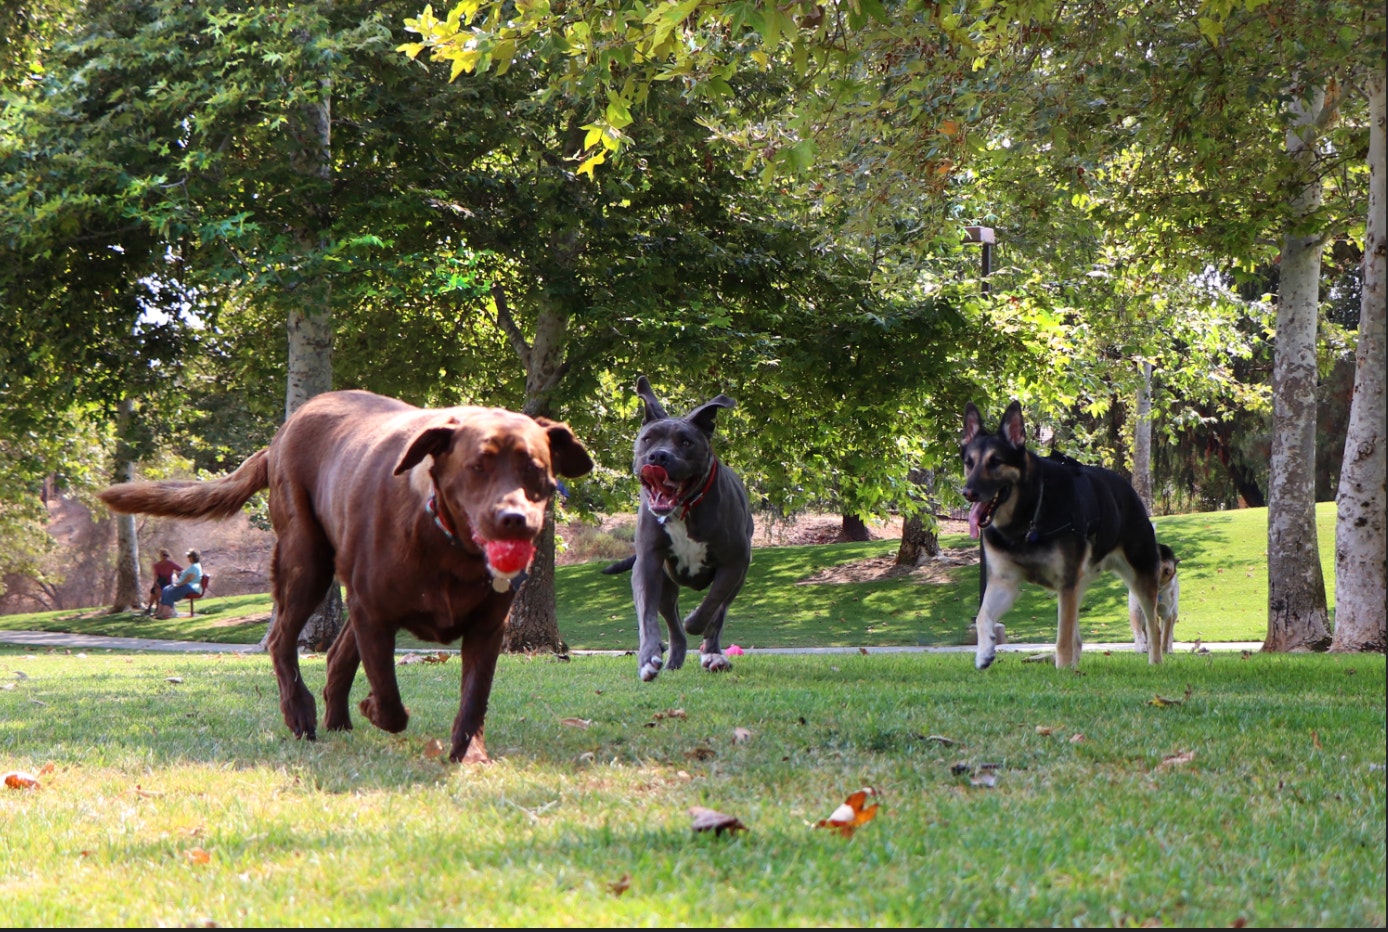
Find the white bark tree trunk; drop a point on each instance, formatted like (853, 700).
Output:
(127, 596)
(1142, 439)
(1361, 529)
(1297, 618)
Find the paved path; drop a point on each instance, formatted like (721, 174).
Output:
(48, 639)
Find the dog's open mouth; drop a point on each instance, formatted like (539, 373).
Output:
(981, 514)
(662, 493)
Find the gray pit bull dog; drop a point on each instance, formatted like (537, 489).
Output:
(694, 529)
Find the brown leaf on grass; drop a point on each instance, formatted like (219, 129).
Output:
(1162, 702)
(576, 722)
(21, 780)
(198, 856)
(669, 713)
(618, 887)
(700, 753)
(851, 813)
(46, 769)
(431, 657)
(1315, 740)
(741, 736)
(862, 650)
(1044, 729)
(173, 679)
(1175, 760)
(1077, 738)
(147, 794)
(985, 780)
(433, 749)
(706, 820)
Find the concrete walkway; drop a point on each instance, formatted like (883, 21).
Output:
(52, 639)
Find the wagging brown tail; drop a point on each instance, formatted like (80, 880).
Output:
(214, 498)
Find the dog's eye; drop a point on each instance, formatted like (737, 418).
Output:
(969, 462)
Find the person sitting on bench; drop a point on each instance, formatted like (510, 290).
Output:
(189, 581)
(164, 572)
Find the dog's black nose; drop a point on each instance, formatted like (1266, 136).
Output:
(659, 458)
(510, 519)
(970, 495)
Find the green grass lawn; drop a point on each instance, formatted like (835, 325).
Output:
(172, 795)
(1223, 598)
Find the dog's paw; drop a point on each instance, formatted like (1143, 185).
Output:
(676, 659)
(715, 663)
(392, 720)
(650, 669)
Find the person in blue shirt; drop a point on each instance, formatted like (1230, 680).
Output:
(189, 581)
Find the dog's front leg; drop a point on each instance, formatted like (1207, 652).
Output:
(997, 599)
(670, 611)
(480, 649)
(382, 706)
(647, 582)
(726, 584)
(1067, 635)
(711, 655)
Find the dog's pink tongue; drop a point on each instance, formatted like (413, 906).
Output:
(974, 515)
(654, 478)
(509, 556)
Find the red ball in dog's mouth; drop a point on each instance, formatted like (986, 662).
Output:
(508, 557)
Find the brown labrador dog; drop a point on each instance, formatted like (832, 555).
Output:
(425, 515)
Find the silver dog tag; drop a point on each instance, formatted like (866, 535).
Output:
(500, 584)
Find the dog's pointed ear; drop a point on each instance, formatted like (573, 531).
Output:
(431, 441)
(1012, 426)
(653, 410)
(973, 424)
(568, 456)
(702, 417)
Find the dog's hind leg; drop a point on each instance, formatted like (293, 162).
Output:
(1142, 606)
(298, 592)
(343, 660)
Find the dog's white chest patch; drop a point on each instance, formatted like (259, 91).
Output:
(689, 555)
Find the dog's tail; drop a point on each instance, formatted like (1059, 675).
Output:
(621, 566)
(186, 498)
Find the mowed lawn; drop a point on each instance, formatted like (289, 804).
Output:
(1223, 578)
(1220, 789)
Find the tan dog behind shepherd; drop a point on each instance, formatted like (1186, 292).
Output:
(424, 515)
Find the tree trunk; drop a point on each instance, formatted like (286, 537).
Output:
(920, 539)
(533, 625)
(309, 322)
(1361, 538)
(1142, 439)
(128, 596)
(854, 528)
(1297, 618)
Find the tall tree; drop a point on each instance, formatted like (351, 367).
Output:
(1361, 534)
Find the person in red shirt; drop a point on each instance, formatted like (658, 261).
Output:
(164, 572)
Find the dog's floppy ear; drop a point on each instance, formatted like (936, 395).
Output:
(1012, 427)
(653, 410)
(568, 455)
(702, 416)
(973, 424)
(431, 441)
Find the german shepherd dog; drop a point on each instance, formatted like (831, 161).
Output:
(1056, 523)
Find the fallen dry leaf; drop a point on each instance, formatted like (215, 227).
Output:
(433, 749)
(986, 780)
(741, 736)
(669, 713)
(8, 685)
(198, 856)
(1162, 702)
(700, 753)
(706, 820)
(21, 780)
(46, 769)
(851, 813)
(1044, 729)
(431, 657)
(618, 887)
(1077, 738)
(1315, 740)
(147, 794)
(576, 722)
(1184, 757)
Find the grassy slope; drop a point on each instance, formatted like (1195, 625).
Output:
(1223, 598)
